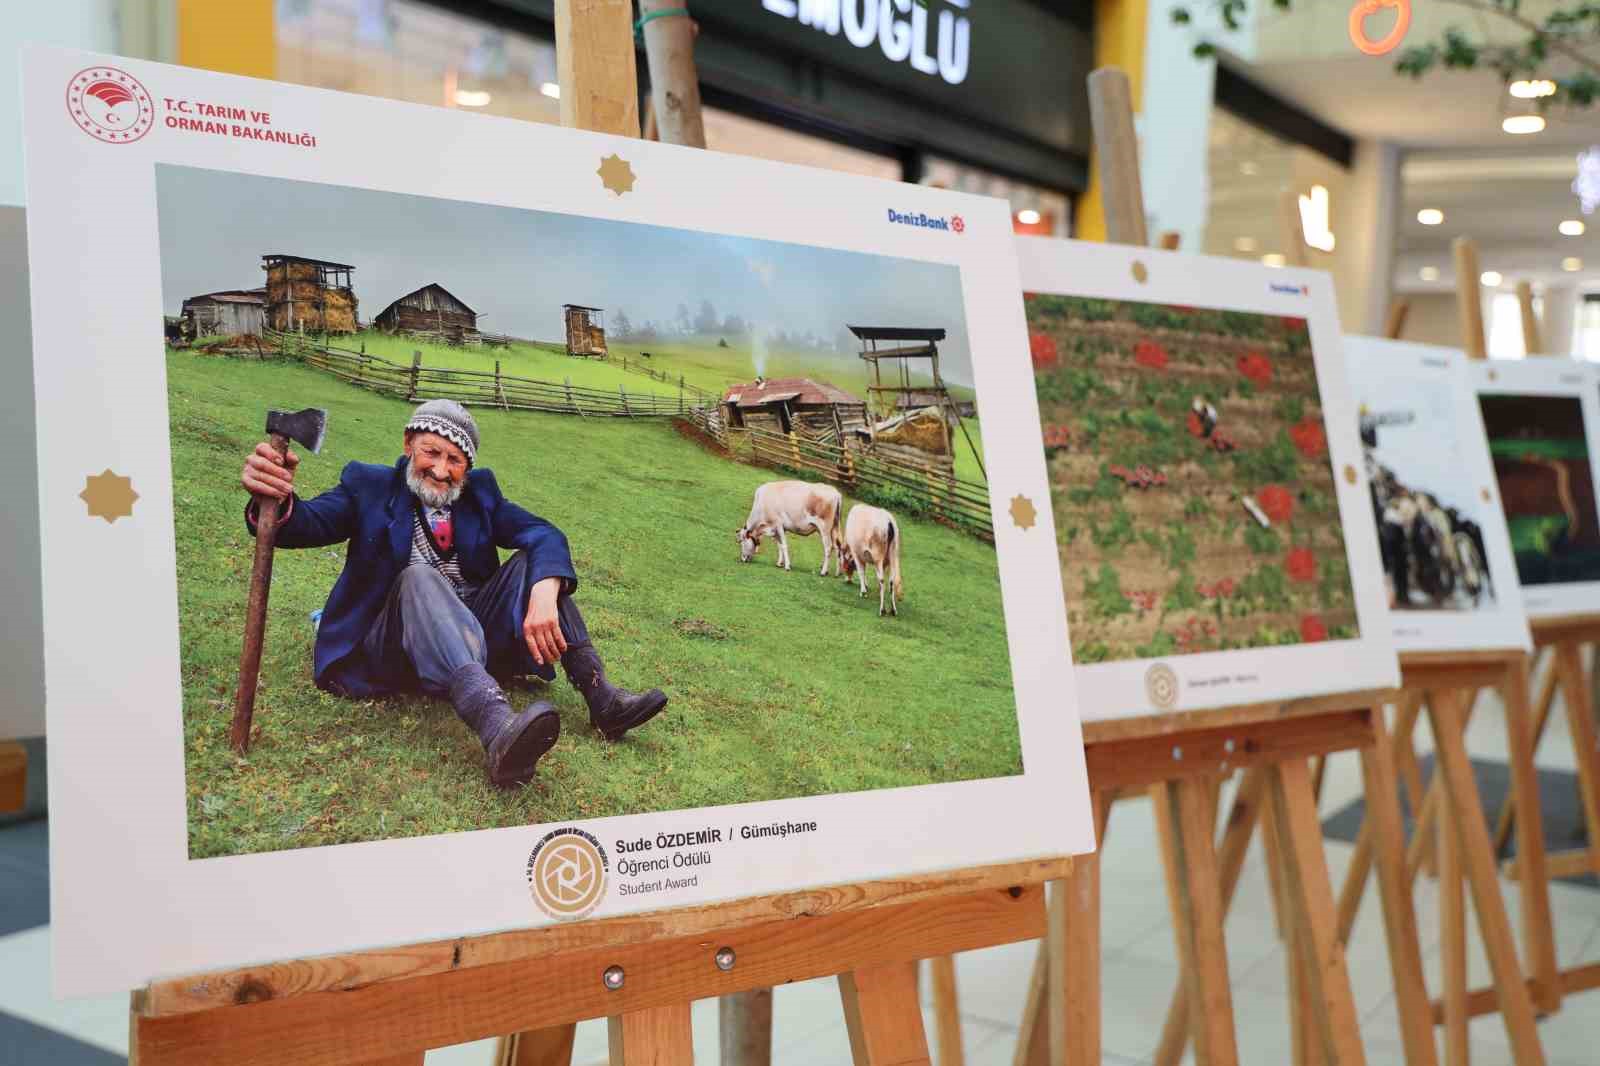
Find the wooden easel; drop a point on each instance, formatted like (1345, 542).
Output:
(1179, 760)
(386, 1007)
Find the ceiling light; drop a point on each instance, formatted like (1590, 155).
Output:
(1532, 90)
(1571, 263)
(1249, 168)
(1244, 244)
(1428, 273)
(551, 89)
(1571, 227)
(472, 98)
(1430, 216)
(1491, 278)
(1028, 216)
(1273, 259)
(1522, 123)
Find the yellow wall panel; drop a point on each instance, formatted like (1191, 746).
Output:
(232, 36)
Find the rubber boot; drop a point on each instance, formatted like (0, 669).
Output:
(512, 743)
(612, 710)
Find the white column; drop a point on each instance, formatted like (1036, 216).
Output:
(1367, 226)
(1556, 318)
(1174, 124)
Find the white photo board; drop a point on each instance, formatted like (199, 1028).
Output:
(633, 325)
(1542, 419)
(1209, 497)
(1449, 576)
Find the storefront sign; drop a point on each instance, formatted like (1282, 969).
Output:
(901, 29)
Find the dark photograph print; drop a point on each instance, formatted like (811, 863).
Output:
(1542, 464)
(567, 518)
(1194, 497)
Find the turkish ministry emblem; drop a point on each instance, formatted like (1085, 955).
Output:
(110, 105)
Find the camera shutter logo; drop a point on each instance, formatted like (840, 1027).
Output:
(110, 105)
(958, 224)
(1161, 685)
(567, 873)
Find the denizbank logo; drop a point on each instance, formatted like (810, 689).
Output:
(1290, 290)
(952, 224)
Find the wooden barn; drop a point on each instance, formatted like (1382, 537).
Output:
(586, 330)
(787, 405)
(231, 312)
(433, 312)
(311, 295)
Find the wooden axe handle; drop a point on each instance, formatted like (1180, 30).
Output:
(255, 618)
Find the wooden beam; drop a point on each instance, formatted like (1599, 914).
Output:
(13, 776)
(1531, 343)
(595, 66)
(1394, 325)
(1116, 148)
(656, 1036)
(882, 1016)
(1469, 297)
(1295, 250)
(669, 34)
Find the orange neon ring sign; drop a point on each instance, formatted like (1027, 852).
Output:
(1358, 28)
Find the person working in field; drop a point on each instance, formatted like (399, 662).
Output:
(424, 602)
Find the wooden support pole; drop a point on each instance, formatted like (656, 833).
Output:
(1194, 895)
(595, 66)
(1387, 835)
(669, 34)
(1295, 251)
(1117, 148)
(1394, 325)
(1585, 743)
(946, 1011)
(1452, 938)
(882, 1016)
(656, 1036)
(1541, 718)
(541, 1047)
(1469, 297)
(1531, 344)
(1461, 816)
(1538, 931)
(1243, 816)
(1292, 807)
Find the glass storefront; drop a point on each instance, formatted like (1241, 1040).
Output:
(419, 52)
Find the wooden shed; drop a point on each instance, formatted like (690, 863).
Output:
(312, 295)
(586, 330)
(433, 312)
(787, 405)
(231, 312)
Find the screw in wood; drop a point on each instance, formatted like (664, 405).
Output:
(1177, 753)
(725, 958)
(613, 978)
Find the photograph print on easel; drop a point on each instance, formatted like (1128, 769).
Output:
(1205, 475)
(627, 521)
(1542, 418)
(1449, 577)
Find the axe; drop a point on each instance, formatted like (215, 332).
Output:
(306, 428)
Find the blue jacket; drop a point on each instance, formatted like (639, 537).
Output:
(372, 508)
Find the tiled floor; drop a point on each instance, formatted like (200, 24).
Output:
(808, 1025)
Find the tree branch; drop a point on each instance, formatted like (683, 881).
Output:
(1553, 42)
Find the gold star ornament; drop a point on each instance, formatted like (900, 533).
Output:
(616, 174)
(1022, 512)
(109, 496)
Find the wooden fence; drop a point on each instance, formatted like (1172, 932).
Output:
(475, 387)
(897, 485)
(697, 397)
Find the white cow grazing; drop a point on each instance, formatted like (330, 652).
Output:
(798, 507)
(871, 535)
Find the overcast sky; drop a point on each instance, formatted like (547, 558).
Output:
(517, 267)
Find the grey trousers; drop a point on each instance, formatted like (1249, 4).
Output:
(426, 632)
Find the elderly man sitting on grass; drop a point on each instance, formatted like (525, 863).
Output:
(424, 602)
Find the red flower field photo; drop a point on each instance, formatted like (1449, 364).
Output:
(1195, 501)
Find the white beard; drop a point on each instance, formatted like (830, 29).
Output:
(429, 491)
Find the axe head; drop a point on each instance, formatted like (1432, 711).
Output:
(303, 427)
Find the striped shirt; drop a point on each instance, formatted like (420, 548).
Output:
(424, 552)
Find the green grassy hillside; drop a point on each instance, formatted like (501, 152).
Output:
(782, 684)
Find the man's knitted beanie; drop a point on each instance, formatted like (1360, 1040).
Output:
(449, 420)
